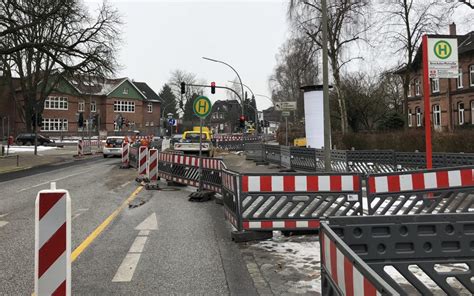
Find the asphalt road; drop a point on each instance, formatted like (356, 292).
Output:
(162, 245)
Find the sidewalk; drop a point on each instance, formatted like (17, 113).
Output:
(23, 160)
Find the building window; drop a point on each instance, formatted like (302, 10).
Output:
(418, 116)
(461, 113)
(435, 85)
(215, 115)
(56, 103)
(146, 123)
(436, 115)
(124, 106)
(409, 118)
(125, 91)
(54, 125)
(221, 115)
(93, 106)
(150, 108)
(417, 87)
(151, 123)
(80, 106)
(459, 80)
(471, 74)
(410, 90)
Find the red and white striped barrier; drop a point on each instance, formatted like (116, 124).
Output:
(228, 181)
(152, 171)
(435, 180)
(142, 160)
(343, 272)
(281, 224)
(125, 154)
(53, 242)
(315, 183)
(80, 150)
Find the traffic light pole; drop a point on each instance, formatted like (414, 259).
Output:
(230, 89)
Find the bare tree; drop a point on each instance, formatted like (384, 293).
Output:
(296, 66)
(178, 76)
(70, 41)
(409, 20)
(348, 21)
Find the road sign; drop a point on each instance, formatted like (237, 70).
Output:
(285, 113)
(172, 122)
(285, 106)
(443, 57)
(202, 106)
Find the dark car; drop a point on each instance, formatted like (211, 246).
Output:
(29, 139)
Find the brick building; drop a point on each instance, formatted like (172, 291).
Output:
(100, 100)
(224, 116)
(452, 100)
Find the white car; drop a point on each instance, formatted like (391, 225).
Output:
(113, 146)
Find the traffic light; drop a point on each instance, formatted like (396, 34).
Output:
(213, 87)
(183, 88)
(242, 121)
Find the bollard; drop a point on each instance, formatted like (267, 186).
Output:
(53, 242)
(142, 163)
(152, 170)
(80, 151)
(125, 156)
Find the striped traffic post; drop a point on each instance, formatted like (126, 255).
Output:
(53, 242)
(125, 155)
(142, 163)
(152, 170)
(80, 151)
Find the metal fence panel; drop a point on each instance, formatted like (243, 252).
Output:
(285, 156)
(421, 192)
(133, 157)
(303, 158)
(343, 272)
(254, 151)
(415, 254)
(297, 201)
(272, 154)
(230, 196)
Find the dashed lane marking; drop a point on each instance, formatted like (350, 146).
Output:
(3, 223)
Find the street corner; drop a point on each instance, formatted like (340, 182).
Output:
(284, 265)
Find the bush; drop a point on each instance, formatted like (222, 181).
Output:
(411, 140)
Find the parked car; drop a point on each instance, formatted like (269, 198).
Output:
(29, 139)
(113, 146)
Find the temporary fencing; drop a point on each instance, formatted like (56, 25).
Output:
(345, 273)
(421, 192)
(413, 254)
(360, 161)
(184, 169)
(85, 147)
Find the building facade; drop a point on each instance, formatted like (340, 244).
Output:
(224, 117)
(97, 103)
(452, 100)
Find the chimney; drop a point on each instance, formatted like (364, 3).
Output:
(452, 29)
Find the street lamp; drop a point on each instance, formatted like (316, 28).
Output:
(238, 76)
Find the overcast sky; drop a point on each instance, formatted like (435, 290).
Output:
(160, 36)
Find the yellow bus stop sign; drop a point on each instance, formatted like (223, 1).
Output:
(202, 106)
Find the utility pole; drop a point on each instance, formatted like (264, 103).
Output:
(327, 121)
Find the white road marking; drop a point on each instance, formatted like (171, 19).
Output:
(127, 268)
(47, 182)
(125, 184)
(144, 232)
(78, 213)
(149, 223)
(129, 264)
(138, 244)
(3, 223)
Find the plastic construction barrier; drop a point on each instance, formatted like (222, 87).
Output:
(230, 197)
(449, 190)
(272, 154)
(296, 201)
(343, 272)
(414, 254)
(184, 169)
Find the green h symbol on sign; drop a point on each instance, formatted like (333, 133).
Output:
(442, 49)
